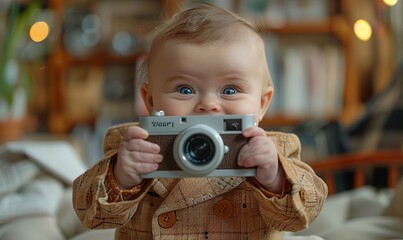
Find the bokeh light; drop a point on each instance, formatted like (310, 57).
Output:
(39, 31)
(390, 2)
(362, 29)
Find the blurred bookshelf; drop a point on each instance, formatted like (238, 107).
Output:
(308, 52)
(92, 69)
(310, 49)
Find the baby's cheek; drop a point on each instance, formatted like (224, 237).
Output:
(177, 108)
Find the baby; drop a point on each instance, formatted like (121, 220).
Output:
(203, 61)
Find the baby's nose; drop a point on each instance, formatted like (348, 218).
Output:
(208, 103)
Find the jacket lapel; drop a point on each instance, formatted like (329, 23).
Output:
(191, 191)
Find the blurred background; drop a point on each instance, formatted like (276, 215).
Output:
(68, 71)
(68, 68)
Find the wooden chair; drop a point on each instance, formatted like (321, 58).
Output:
(358, 164)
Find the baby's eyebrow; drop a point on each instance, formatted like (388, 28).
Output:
(179, 77)
(234, 78)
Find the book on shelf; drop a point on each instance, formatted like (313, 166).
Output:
(279, 12)
(272, 56)
(294, 85)
(224, 4)
(317, 82)
(307, 10)
(335, 79)
(308, 79)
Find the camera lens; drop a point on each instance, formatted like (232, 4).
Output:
(199, 149)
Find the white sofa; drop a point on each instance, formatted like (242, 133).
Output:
(358, 214)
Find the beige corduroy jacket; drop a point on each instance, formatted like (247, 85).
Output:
(201, 208)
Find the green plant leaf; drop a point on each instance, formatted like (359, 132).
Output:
(16, 30)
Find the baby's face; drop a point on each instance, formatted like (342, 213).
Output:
(194, 79)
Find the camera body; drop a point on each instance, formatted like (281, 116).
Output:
(198, 145)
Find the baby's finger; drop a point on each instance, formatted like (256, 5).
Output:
(141, 146)
(253, 132)
(253, 160)
(142, 169)
(135, 132)
(145, 157)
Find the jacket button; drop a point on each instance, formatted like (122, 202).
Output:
(167, 220)
(223, 209)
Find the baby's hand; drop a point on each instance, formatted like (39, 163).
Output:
(136, 157)
(261, 152)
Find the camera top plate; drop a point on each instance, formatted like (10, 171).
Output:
(172, 125)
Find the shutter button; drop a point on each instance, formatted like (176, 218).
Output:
(223, 209)
(167, 220)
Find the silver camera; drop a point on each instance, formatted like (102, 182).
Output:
(198, 146)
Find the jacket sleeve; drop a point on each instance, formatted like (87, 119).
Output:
(90, 195)
(294, 211)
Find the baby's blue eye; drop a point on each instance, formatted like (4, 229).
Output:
(229, 91)
(185, 90)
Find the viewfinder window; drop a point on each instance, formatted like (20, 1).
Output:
(232, 124)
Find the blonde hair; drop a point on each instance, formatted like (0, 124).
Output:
(204, 24)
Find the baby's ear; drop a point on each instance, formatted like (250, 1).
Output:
(147, 97)
(265, 101)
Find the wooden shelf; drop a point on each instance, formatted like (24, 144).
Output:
(337, 26)
(102, 58)
(292, 28)
(279, 121)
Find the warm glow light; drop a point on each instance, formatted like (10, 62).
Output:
(39, 31)
(362, 30)
(390, 2)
